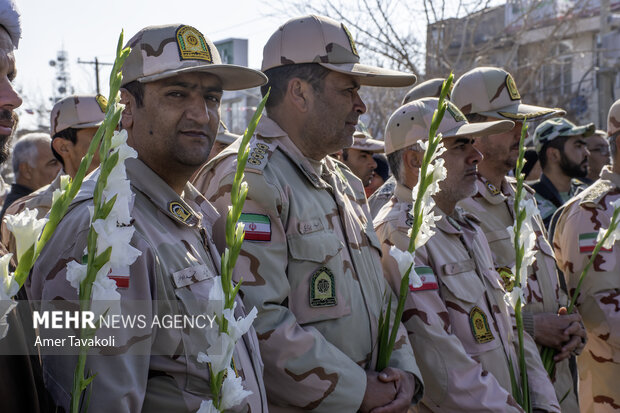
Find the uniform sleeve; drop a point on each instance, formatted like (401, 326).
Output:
(121, 380)
(599, 301)
(454, 381)
(303, 369)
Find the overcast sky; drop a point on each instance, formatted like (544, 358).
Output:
(88, 28)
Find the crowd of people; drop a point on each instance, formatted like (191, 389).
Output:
(327, 205)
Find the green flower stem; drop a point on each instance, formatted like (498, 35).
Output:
(522, 394)
(387, 334)
(548, 353)
(234, 239)
(60, 206)
(103, 141)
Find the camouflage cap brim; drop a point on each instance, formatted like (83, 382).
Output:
(479, 129)
(87, 125)
(232, 77)
(368, 144)
(373, 75)
(520, 111)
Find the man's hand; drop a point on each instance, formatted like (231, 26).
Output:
(578, 338)
(378, 392)
(404, 385)
(554, 330)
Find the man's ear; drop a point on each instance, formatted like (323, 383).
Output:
(25, 172)
(299, 93)
(61, 146)
(554, 154)
(129, 101)
(413, 159)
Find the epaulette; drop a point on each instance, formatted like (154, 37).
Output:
(468, 216)
(597, 191)
(513, 182)
(260, 152)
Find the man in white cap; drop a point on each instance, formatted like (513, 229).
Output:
(578, 224)
(429, 88)
(73, 123)
(172, 86)
(310, 259)
(490, 93)
(458, 323)
(358, 157)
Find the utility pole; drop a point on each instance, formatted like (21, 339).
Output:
(96, 63)
(606, 73)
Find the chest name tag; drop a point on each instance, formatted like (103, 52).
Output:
(191, 275)
(322, 288)
(480, 325)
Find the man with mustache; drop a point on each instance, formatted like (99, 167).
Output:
(172, 86)
(358, 157)
(476, 92)
(310, 259)
(458, 323)
(563, 155)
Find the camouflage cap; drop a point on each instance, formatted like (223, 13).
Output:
(10, 19)
(412, 122)
(613, 119)
(556, 127)
(364, 142)
(492, 91)
(319, 39)
(158, 52)
(428, 89)
(78, 112)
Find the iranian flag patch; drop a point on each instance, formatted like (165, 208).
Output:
(428, 278)
(257, 227)
(587, 242)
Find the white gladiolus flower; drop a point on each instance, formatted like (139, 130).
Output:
(76, 273)
(8, 289)
(219, 354)
(233, 392)
(511, 297)
(403, 258)
(238, 327)
(119, 238)
(26, 229)
(614, 235)
(206, 406)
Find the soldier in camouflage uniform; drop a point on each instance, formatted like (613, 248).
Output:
(429, 88)
(74, 121)
(358, 157)
(563, 157)
(458, 323)
(172, 85)
(493, 205)
(310, 260)
(599, 301)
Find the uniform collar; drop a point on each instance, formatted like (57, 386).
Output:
(403, 194)
(490, 193)
(609, 175)
(181, 209)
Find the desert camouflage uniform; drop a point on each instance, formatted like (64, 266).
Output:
(461, 372)
(599, 302)
(173, 247)
(381, 196)
(41, 200)
(315, 353)
(494, 208)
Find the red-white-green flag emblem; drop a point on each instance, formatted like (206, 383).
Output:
(587, 242)
(257, 227)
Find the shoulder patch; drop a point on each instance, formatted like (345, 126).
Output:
(260, 151)
(257, 227)
(597, 191)
(587, 242)
(427, 277)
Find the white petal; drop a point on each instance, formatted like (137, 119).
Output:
(26, 228)
(233, 392)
